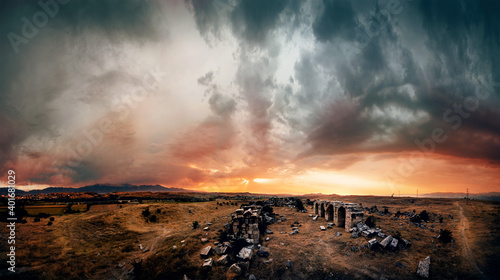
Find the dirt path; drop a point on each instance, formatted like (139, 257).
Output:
(467, 252)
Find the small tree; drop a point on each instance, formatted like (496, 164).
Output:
(146, 212)
(445, 236)
(195, 224)
(424, 215)
(299, 205)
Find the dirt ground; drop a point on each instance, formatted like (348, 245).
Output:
(106, 242)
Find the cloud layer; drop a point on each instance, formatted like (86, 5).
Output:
(212, 94)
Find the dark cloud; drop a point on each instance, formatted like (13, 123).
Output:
(335, 19)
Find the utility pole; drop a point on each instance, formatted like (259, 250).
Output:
(467, 199)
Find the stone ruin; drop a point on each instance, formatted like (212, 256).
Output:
(245, 223)
(342, 214)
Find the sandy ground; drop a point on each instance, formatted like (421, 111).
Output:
(105, 242)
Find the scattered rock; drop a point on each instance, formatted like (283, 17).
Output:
(354, 248)
(423, 267)
(223, 260)
(354, 234)
(381, 235)
(339, 233)
(386, 242)
(315, 218)
(263, 253)
(289, 264)
(206, 228)
(235, 269)
(252, 277)
(185, 277)
(398, 264)
(406, 243)
(394, 244)
(373, 244)
(245, 253)
(204, 240)
(205, 252)
(174, 248)
(269, 231)
(208, 262)
(322, 227)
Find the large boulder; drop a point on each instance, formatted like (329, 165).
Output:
(235, 269)
(424, 267)
(223, 260)
(386, 242)
(394, 244)
(373, 244)
(205, 252)
(245, 254)
(208, 262)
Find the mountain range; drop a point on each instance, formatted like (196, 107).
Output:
(99, 188)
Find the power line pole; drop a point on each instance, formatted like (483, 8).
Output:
(467, 199)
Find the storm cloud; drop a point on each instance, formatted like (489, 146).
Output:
(245, 89)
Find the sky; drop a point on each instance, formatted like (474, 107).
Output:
(347, 97)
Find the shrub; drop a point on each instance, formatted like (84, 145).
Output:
(43, 215)
(299, 205)
(424, 215)
(158, 211)
(36, 220)
(397, 235)
(49, 223)
(371, 221)
(415, 219)
(146, 212)
(152, 219)
(445, 236)
(196, 225)
(51, 219)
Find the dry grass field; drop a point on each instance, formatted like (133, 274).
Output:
(106, 242)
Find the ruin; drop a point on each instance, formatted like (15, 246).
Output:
(342, 214)
(245, 223)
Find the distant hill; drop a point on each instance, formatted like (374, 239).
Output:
(99, 188)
